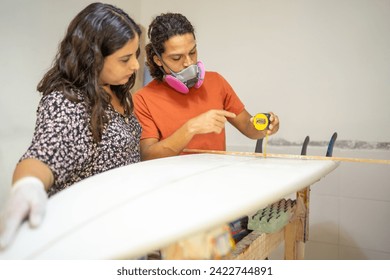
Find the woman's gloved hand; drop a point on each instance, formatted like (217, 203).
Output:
(27, 200)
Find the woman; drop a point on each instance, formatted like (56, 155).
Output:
(185, 106)
(85, 123)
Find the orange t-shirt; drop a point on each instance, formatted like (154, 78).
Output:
(161, 110)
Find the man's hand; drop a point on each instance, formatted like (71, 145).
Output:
(210, 121)
(274, 125)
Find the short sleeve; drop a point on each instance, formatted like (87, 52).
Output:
(232, 102)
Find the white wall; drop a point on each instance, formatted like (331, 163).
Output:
(321, 65)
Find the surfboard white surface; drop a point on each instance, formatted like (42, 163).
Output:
(130, 211)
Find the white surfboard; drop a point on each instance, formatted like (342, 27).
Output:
(130, 211)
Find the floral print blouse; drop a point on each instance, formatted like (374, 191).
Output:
(63, 141)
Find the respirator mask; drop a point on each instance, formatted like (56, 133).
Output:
(182, 81)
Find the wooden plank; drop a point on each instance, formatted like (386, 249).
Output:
(290, 238)
(289, 156)
(303, 206)
(212, 244)
(257, 246)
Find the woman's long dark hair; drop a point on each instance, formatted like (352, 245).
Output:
(96, 32)
(162, 28)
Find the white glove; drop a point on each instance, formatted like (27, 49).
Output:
(28, 198)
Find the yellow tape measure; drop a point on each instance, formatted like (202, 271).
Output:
(261, 121)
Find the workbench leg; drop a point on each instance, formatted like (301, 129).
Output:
(297, 231)
(290, 241)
